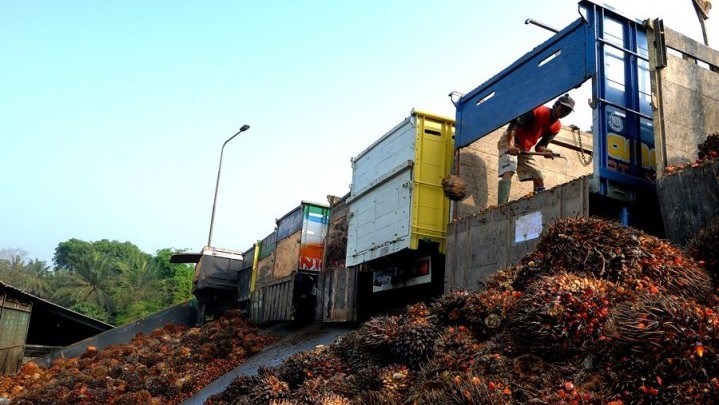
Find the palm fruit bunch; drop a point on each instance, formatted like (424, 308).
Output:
(704, 248)
(564, 314)
(268, 388)
(319, 362)
(449, 308)
(416, 337)
(567, 392)
(395, 379)
(360, 362)
(493, 365)
(661, 341)
(455, 351)
(164, 366)
(487, 311)
(319, 390)
(691, 392)
(262, 388)
(454, 187)
(593, 247)
(378, 333)
(458, 389)
(238, 390)
(709, 149)
(469, 388)
(503, 280)
(377, 398)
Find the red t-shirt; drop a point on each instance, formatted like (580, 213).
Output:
(532, 126)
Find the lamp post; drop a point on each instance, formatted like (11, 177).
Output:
(217, 184)
(702, 8)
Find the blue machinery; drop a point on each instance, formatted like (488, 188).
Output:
(612, 51)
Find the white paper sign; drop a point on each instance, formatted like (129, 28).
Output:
(528, 227)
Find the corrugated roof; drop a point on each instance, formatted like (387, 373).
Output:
(57, 309)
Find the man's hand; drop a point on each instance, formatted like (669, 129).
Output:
(513, 150)
(548, 154)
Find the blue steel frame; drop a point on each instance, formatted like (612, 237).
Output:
(602, 45)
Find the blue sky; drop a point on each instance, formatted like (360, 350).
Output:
(113, 113)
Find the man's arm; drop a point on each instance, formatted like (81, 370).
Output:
(523, 120)
(544, 143)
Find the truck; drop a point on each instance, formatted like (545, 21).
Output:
(289, 263)
(217, 272)
(397, 210)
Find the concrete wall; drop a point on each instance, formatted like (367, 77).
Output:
(482, 244)
(689, 200)
(685, 83)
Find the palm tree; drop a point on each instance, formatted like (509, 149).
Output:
(141, 292)
(36, 278)
(90, 281)
(141, 280)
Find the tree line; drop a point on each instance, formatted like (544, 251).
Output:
(111, 281)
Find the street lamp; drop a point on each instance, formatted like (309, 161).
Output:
(217, 184)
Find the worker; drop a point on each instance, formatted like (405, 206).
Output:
(538, 126)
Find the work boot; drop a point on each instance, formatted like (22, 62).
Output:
(503, 190)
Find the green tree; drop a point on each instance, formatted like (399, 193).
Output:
(70, 253)
(36, 278)
(92, 310)
(177, 276)
(89, 281)
(11, 265)
(140, 292)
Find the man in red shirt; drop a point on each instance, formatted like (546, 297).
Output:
(539, 127)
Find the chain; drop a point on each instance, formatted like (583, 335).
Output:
(578, 140)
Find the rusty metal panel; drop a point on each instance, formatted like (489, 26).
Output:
(287, 255)
(273, 302)
(289, 223)
(481, 244)
(267, 245)
(337, 285)
(339, 295)
(689, 201)
(264, 270)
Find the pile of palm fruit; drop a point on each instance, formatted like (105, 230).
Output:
(599, 313)
(163, 367)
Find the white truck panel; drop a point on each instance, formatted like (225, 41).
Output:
(379, 220)
(382, 157)
(380, 200)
